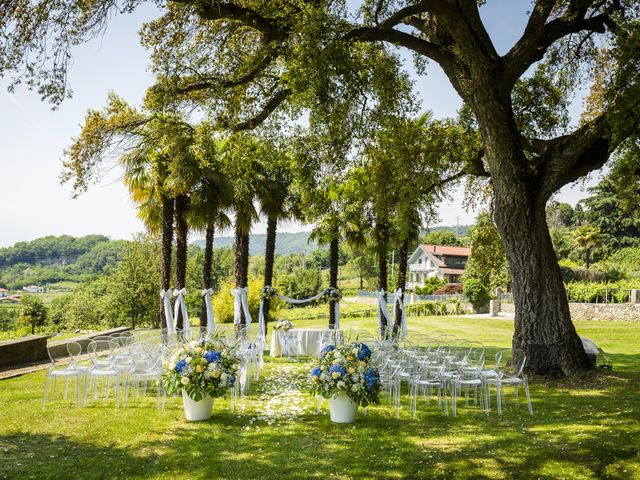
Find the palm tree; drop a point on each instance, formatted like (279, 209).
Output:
(245, 174)
(586, 238)
(276, 203)
(210, 199)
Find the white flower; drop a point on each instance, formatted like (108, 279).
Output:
(323, 367)
(355, 388)
(212, 366)
(341, 384)
(171, 366)
(185, 381)
(355, 351)
(224, 377)
(188, 359)
(336, 361)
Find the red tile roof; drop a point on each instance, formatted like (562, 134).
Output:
(446, 250)
(453, 271)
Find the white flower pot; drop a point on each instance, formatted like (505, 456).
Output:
(196, 411)
(342, 409)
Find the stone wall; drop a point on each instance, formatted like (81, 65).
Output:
(623, 312)
(23, 350)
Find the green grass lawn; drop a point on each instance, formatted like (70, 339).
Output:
(586, 427)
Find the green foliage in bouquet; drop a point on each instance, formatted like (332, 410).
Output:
(346, 369)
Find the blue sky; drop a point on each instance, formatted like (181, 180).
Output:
(33, 137)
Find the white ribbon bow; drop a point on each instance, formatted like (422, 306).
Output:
(403, 315)
(165, 295)
(383, 311)
(211, 324)
(241, 303)
(181, 306)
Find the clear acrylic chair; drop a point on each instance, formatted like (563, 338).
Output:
(63, 365)
(423, 382)
(289, 344)
(146, 371)
(519, 379)
(102, 367)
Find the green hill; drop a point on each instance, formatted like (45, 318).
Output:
(286, 243)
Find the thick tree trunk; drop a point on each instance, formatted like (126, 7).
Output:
(206, 271)
(241, 268)
(402, 281)
(333, 278)
(269, 258)
(543, 330)
(182, 230)
(167, 240)
(587, 258)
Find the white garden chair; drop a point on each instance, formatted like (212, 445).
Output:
(63, 365)
(519, 379)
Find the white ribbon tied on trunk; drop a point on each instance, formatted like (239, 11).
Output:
(181, 306)
(241, 304)
(211, 324)
(165, 295)
(383, 311)
(403, 314)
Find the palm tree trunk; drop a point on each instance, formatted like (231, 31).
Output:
(269, 258)
(241, 269)
(333, 278)
(382, 251)
(182, 230)
(167, 240)
(587, 258)
(206, 271)
(402, 280)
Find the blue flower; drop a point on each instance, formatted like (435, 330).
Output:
(316, 372)
(327, 349)
(181, 365)
(211, 356)
(337, 369)
(365, 352)
(370, 378)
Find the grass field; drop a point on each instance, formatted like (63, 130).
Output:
(586, 427)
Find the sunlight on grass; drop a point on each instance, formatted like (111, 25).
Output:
(584, 427)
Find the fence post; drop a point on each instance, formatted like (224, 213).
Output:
(634, 297)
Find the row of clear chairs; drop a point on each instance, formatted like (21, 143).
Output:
(447, 367)
(130, 364)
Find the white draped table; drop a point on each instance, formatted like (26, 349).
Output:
(306, 342)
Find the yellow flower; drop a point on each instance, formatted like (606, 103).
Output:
(351, 370)
(198, 350)
(216, 374)
(199, 368)
(314, 378)
(350, 358)
(361, 363)
(335, 375)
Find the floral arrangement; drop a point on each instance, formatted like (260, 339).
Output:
(346, 369)
(269, 292)
(201, 368)
(331, 294)
(283, 325)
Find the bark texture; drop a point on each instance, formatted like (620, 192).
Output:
(241, 267)
(269, 259)
(402, 280)
(167, 241)
(206, 271)
(182, 231)
(333, 278)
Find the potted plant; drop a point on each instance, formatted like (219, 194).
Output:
(201, 370)
(344, 376)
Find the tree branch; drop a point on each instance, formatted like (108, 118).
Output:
(539, 36)
(260, 117)
(213, 10)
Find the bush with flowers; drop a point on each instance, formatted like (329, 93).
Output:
(330, 294)
(346, 369)
(201, 368)
(283, 325)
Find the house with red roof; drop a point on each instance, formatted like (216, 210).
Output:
(442, 261)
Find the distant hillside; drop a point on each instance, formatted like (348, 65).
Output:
(297, 242)
(286, 243)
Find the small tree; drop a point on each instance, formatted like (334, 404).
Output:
(586, 238)
(34, 312)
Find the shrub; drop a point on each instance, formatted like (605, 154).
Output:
(431, 284)
(476, 292)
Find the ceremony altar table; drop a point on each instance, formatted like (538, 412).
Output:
(305, 341)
